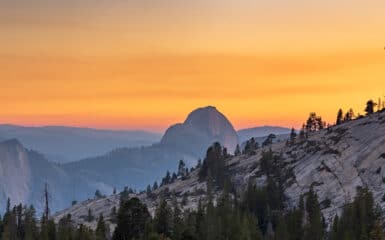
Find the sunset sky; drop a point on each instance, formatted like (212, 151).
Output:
(141, 64)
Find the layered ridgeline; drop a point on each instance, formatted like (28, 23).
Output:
(65, 144)
(333, 163)
(135, 167)
(24, 173)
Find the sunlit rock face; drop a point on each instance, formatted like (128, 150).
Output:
(24, 173)
(15, 172)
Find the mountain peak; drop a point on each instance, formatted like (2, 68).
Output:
(201, 112)
(203, 126)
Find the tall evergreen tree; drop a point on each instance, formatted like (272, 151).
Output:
(48, 230)
(155, 186)
(237, 151)
(90, 216)
(132, 219)
(293, 135)
(177, 221)
(369, 107)
(182, 170)
(167, 179)
(31, 231)
(214, 165)
(65, 228)
(349, 115)
(101, 229)
(314, 229)
(359, 219)
(340, 117)
(163, 219)
(314, 123)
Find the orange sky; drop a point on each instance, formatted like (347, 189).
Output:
(146, 64)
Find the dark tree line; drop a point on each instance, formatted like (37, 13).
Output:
(360, 219)
(370, 108)
(258, 213)
(255, 215)
(21, 223)
(182, 173)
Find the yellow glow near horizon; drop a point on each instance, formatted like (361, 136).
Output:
(132, 64)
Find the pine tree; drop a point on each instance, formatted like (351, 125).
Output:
(90, 216)
(174, 177)
(302, 133)
(215, 165)
(148, 190)
(294, 221)
(163, 219)
(167, 179)
(340, 117)
(177, 221)
(132, 219)
(293, 135)
(200, 221)
(101, 230)
(314, 123)
(237, 151)
(182, 170)
(199, 163)
(314, 229)
(98, 194)
(65, 228)
(48, 230)
(155, 186)
(349, 115)
(31, 231)
(20, 230)
(369, 107)
(10, 224)
(125, 194)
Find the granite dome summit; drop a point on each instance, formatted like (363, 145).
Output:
(202, 127)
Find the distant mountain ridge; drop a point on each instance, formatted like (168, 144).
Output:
(135, 167)
(262, 131)
(65, 144)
